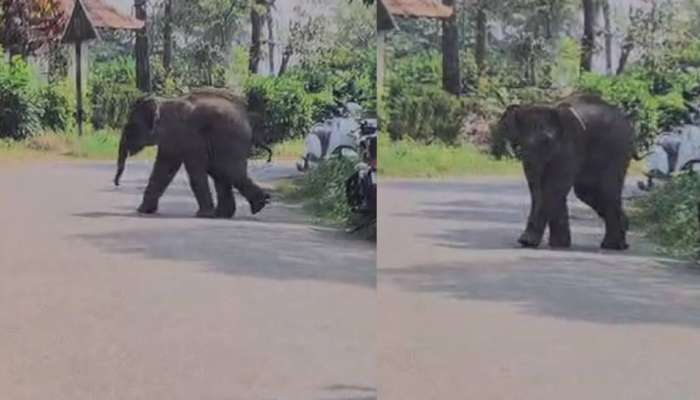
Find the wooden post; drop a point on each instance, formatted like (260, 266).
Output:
(79, 85)
(381, 57)
(143, 69)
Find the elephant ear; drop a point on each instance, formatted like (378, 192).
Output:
(145, 112)
(504, 134)
(570, 120)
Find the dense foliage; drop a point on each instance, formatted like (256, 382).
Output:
(19, 111)
(324, 187)
(669, 215)
(112, 90)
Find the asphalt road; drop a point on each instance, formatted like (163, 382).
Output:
(97, 302)
(464, 313)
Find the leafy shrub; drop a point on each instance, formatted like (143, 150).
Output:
(323, 188)
(426, 113)
(19, 111)
(112, 90)
(653, 105)
(348, 74)
(58, 106)
(285, 107)
(669, 215)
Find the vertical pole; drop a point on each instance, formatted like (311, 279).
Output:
(143, 70)
(79, 85)
(381, 56)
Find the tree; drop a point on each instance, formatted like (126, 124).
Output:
(307, 34)
(588, 39)
(608, 36)
(143, 68)
(168, 36)
(450, 52)
(480, 46)
(257, 12)
(27, 25)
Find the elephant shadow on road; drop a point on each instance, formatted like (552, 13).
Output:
(476, 224)
(251, 248)
(277, 244)
(602, 289)
(491, 216)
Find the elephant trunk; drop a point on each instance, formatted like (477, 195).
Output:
(121, 160)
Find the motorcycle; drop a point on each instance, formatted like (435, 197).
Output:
(361, 187)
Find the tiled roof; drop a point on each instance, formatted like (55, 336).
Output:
(418, 8)
(103, 15)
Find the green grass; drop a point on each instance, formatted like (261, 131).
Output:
(409, 159)
(289, 149)
(414, 160)
(93, 145)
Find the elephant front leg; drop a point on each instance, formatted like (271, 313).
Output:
(164, 171)
(559, 229)
(199, 183)
(226, 202)
(536, 221)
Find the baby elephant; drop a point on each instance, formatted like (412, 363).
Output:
(582, 142)
(207, 131)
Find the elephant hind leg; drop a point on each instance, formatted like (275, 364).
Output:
(616, 222)
(237, 174)
(588, 193)
(164, 171)
(199, 183)
(225, 200)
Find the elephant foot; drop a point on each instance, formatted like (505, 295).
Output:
(614, 245)
(225, 213)
(529, 239)
(259, 204)
(559, 242)
(206, 213)
(147, 209)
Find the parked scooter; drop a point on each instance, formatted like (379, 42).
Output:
(673, 152)
(335, 136)
(361, 187)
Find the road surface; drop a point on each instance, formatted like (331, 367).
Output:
(466, 314)
(97, 302)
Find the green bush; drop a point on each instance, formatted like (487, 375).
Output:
(348, 74)
(654, 102)
(112, 91)
(669, 216)
(323, 189)
(19, 110)
(285, 106)
(58, 106)
(426, 113)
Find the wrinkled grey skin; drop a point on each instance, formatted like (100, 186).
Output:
(207, 131)
(583, 143)
(134, 143)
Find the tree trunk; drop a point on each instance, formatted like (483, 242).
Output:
(256, 21)
(588, 39)
(143, 69)
(626, 50)
(288, 51)
(168, 37)
(608, 37)
(271, 37)
(480, 50)
(450, 52)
